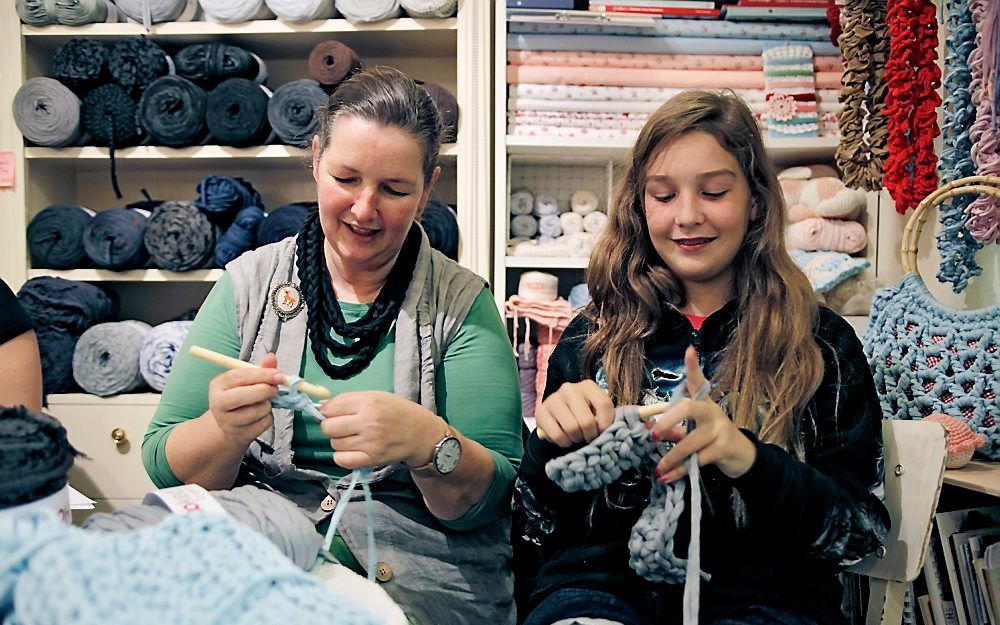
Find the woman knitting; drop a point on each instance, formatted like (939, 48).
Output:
(692, 275)
(425, 387)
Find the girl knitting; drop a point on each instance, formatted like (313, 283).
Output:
(690, 276)
(411, 345)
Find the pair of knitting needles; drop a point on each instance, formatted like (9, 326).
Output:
(229, 362)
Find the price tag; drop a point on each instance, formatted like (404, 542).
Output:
(187, 499)
(6, 169)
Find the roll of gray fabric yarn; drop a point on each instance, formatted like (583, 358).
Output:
(266, 512)
(291, 111)
(80, 12)
(47, 113)
(159, 10)
(363, 11)
(179, 237)
(235, 11)
(106, 358)
(159, 351)
(303, 10)
(429, 8)
(36, 12)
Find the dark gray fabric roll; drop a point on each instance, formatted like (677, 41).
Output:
(441, 225)
(136, 62)
(47, 113)
(237, 113)
(106, 358)
(109, 117)
(67, 304)
(448, 106)
(55, 349)
(283, 222)
(291, 111)
(55, 237)
(179, 237)
(114, 239)
(172, 111)
(35, 456)
(268, 513)
(208, 64)
(80, 64)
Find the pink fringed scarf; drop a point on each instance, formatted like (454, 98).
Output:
(984, 212)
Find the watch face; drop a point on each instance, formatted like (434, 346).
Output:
(447, 455)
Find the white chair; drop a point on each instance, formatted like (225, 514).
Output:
(914, 468)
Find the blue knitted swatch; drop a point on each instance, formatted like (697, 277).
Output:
(826, 270)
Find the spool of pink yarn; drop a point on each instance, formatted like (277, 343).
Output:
(962, 441)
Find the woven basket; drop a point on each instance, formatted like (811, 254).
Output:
(928, 358)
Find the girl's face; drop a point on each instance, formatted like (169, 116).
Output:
(697, 207)
(370, 188)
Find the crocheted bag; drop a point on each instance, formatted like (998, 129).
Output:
(928, 358)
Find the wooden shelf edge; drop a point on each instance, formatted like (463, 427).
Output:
(127, 399)
(518, 145)
(545, 262)
(979, 475)
(256, 27)
(135, 275)
(155, 152)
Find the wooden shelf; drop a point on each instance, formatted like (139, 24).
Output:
(135, 275)
(154, 156)
(554, 150)
(127, 399)
(275, 39)
(546, 262)
(979, 475)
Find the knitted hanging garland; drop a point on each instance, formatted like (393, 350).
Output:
(912, 99)
(984, 211)
(864, 43)
(955, 244)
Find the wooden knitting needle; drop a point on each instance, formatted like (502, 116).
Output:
(234, 363)
(645, 412)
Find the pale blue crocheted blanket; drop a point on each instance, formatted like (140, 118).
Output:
(927, 358)
(189, 569)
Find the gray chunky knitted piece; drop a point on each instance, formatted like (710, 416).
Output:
(627, 444)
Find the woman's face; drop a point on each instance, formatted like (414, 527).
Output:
(370, 188)
(697, 209)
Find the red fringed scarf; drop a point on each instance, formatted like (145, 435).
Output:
(833, 16)
(913, 77)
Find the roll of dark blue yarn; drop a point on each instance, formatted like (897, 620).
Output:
(55, 349)
(109, 116)
(241, 236)
(67, 304)
(237, 113)
(35, 456)
(292, 111)
(172, 111)
(55, 237)
(179, 237)
(441, 225)
(114, 239)
(221, 197)
(136, 62)
(80, 64)
(283, 222)
(208, 64)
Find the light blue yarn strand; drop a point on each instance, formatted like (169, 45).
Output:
(294, 399)
(955, 244)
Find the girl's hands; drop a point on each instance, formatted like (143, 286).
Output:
(240, 400)
(576, 413)
(369, 428)
(715, 439)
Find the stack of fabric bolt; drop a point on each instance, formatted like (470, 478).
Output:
(603, 80)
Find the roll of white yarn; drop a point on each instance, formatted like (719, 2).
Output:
(537, 286)
(583, 202)
(595, 222)
(522, 202)
(572, 223)
(545, 204)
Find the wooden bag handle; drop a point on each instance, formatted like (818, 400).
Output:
(911, 232)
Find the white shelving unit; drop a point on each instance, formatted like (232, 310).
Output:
(515, 155)
(454, 53)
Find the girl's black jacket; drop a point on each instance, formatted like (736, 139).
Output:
(801, 520)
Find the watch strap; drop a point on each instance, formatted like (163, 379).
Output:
(430, 468)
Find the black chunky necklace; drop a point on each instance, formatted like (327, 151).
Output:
(324, 310)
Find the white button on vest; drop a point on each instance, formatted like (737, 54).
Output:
(328, 504)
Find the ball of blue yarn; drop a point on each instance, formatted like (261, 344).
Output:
(221, 197)
(241, 236)
(283, 222)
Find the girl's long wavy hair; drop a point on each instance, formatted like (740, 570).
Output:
(772, 366)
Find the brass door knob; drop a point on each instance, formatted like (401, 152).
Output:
(118, 436)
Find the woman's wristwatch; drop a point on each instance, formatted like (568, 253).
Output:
(445, 458)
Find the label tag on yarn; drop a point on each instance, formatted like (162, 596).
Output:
(6, 169)
(187, 499)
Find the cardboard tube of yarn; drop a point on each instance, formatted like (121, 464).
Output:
(234, 363)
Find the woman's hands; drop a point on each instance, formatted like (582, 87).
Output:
(240, 400)
(715, 439)
(576, 413)
(369, 428)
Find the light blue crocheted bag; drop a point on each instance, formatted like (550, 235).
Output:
(928, 358)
